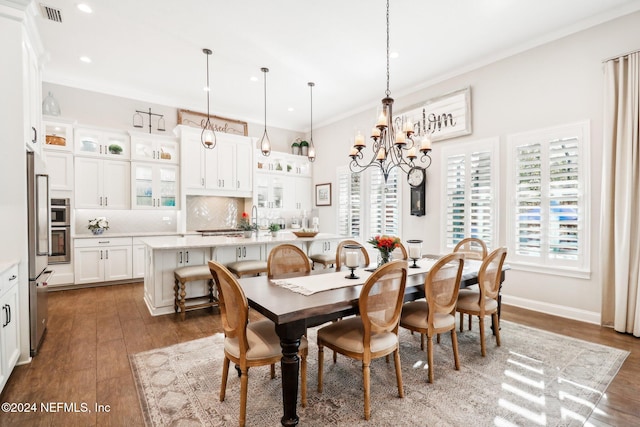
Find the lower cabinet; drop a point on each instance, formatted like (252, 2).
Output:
(137, 257)
(102, 259)
(161, 274)
(9, 332)
(226, 254)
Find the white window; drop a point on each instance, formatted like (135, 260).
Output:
(469, 202)
(368, 206)
(547, 217)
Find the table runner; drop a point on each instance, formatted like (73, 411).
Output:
(309, 285)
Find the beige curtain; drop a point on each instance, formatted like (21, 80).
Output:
(621, 195)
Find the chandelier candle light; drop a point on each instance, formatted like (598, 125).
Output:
(208, 136)
(393, 141)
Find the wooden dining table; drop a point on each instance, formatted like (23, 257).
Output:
(293, 313)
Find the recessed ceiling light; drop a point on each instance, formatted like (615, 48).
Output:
(206, 88)
(84, 8)
(253, 78)
(85, 59)
(290, 109)
(394, 54)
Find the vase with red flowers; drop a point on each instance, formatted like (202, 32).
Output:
(385, 245)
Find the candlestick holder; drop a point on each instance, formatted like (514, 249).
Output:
(352, 275)
(351, 257)
(415, 252)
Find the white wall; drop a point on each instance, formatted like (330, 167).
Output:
(557, 83)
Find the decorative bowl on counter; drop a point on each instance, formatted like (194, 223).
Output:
(305, 233)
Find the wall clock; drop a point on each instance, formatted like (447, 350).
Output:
(417, 180)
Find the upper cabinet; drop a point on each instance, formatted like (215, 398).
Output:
(58, 134)
(32, 97)
(154, 148)
(283, 164)
(225, 170)
(95, 142)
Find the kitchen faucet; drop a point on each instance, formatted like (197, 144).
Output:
(254, 216)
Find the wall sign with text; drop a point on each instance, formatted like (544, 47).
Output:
(444, 117)
(220, 124)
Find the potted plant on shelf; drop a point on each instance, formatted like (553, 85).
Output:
(115, 149)
(274, 228)
(295, 147)
(98, 225)
(304, 147)
(246, 225)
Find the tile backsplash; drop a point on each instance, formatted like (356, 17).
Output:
(128, 221)
(212, 213)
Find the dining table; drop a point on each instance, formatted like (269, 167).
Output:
(296, 302)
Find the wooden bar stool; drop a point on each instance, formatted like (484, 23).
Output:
(189, 274)
(247, 267)
(324, 259)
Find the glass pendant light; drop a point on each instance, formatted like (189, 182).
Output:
(311, 154)
(208, 137)
(265, 143)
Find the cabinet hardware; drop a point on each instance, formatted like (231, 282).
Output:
(35, 135)
(106, 201)
(244, 252)
(13, 277)
(5, 322)
(100, 200)
(202, 181)
(180, 257)
(103, 241)
(101, 255)
(187, 257)
(107, 252)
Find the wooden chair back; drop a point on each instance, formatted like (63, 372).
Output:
(381, 299)
(286, 258)
(234, 307)
(364, 259)
(472, 247)
(400, 253)
(490, 273)
(441, 286)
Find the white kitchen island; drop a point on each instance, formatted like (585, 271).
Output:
(163, 254)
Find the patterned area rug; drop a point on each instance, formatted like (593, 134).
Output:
(534, 378)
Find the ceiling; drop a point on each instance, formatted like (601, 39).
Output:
(151, 50)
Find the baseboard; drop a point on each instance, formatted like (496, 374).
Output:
(554, 309)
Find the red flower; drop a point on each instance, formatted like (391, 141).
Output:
(245, 215)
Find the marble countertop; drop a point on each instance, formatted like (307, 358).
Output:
(196, 241)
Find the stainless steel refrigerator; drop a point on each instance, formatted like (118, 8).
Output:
(39, 247)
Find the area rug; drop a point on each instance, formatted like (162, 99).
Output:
(535, 378)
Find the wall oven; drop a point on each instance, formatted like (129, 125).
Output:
(60, 232)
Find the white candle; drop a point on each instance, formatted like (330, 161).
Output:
(354, 151)
(412, 152)
(426, 143)
(359, 140)
(400, 138)
(381, 154)
(408, 126)
(352, 259)
(414, 252)
(375, 132)
(382, 119)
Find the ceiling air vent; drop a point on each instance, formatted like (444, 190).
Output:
(51, 13)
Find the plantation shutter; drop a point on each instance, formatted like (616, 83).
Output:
(349, 203)
(455, 204)
(528, 200)
(481, 196)
(384, 210)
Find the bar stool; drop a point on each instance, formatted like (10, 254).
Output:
(247, 267)
(324, 259)
(183, 275)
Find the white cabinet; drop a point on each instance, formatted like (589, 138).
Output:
(154, 148)
(101, 183)
(224, 170)
(269, 191)
(160, 280)
(60, 169)
(101, 143)
(9, 316)
(226, 254)
(154, 186)
(102, 259)
(32, 97)
(137, 259)
(58, 134)
(298, 193)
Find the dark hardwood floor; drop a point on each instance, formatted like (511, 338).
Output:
(84, 358)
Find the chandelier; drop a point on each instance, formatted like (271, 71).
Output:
(394, 143)
(208, 136)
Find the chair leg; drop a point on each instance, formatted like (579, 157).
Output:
(496, 321)
(470, 318)
(175, 293)
(320, 365)
(438, 338)
(244, 382)
(303, 380)
(461, 322)
(454, 345)
(183, 296)
(422, 342)
(396, 357)
(335, 357)
(225, 374)
(365, 380)
(273, 370)
(430, 357)
(483, 350)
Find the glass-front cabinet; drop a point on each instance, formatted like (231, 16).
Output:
(269, 191)
(101, 143)
(154, 148)
(154, 186)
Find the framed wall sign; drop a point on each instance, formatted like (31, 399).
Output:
(220, 124)
(444, 117)
(323, 194)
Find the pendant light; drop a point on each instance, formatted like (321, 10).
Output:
(311, 154)
(265, 143)
(208, 136)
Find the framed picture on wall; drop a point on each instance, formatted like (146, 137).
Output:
(323, 194)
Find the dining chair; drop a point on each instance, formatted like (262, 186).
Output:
(484, 301)
(473, 248)
(374, 332)
(437, 314)
(248, 344)
(287, 258)
(364, 259)
(400, 253)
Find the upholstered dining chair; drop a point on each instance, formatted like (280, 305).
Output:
(437, 314)
(484, 301)
(364, 259)
(287, 258)
(248, 344)
(374, 332)
(472, 247)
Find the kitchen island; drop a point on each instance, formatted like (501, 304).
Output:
(163, 254)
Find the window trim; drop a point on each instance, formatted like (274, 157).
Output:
(581, 130)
